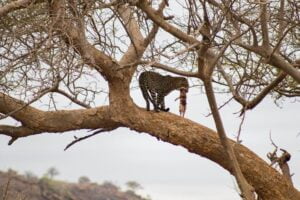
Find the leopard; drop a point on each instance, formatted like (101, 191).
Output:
(155, 87)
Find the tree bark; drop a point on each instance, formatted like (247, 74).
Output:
(247, 192)
(267, 182)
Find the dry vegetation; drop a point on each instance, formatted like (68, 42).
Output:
(19, 187)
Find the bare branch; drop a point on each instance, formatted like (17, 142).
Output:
(155, 27)
(221, 53)
(282, 24)
(153, 15)
(238, 140)
(161, 66)
(76, 38)
(221, 106)
(131, 28)
(40, 94)
(259, 97)
(282, 161)
(37, 121)
(275, 60)
(73, 99)
(282, 36)
(86, 137)
(15, 5)
(264, 23)
(171, 69)
(279, 62)
(247, 191)
(190, 47)
(16, 132)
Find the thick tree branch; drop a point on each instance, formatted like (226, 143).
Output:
(168, 127)
(250, 104)
(274, 59)
(130, 24)
(155, 27)
(279, 62)
(158, 19)
(282, 24)
(149, 38)
(139, 44)
(16, 132)
(39, 95)
(161, 66)
(16, 5)
(37, 121)
(264, 23)
(75, 36)
(267, 182)
(171, 69)
(246, 190)
(131, 27)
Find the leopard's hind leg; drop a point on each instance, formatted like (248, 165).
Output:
(153, 100)
(161, 103)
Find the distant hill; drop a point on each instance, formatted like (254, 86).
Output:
(28, 187)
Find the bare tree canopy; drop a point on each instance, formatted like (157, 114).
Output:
(86, 50)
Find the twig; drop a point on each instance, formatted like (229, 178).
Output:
(272, 142)
(41, 93)
(282, 161)
(12, 140)
(220, 107)
(184, 50)
(88, 136)
(273, 155)
(240, 129)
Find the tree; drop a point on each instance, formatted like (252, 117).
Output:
(51, 172)
(30, 175)
(247, 49)
(133, 186)
(84, 180)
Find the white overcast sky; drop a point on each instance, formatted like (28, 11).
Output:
(167, 172)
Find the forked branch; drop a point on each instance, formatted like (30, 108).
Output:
(282, 161)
